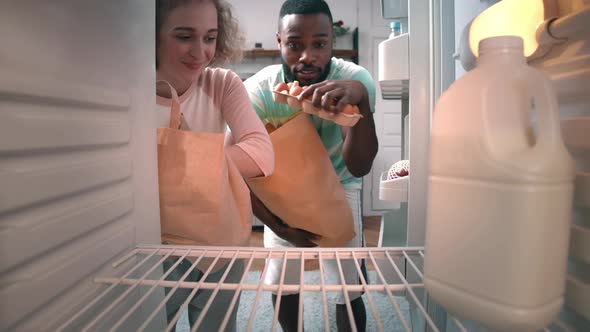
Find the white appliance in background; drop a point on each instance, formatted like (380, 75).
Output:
(78, 166)
(394, 81)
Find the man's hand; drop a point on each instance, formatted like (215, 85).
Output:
(296, 236)
(360, 144)
(334, 95)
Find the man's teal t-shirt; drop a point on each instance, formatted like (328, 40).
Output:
(260, 88)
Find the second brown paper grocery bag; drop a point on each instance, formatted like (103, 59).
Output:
(304, 190)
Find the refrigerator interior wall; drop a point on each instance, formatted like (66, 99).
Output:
(568, 65)
(77, 150)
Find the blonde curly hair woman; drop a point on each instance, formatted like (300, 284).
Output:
(192, 37)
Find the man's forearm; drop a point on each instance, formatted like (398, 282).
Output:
(263, 213)
(360, 143)
(298, 237)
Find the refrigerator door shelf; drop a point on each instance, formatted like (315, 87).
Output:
(395, 89)
(575, 136)
(580, 244)
(394, 67)
(577, 295)
(582, 190)
(395, 190)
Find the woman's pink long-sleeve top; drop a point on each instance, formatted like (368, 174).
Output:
(216, 99)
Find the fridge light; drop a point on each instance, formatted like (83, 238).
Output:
(520, 18)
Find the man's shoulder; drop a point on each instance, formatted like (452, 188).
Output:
(266, 78)
(346, 70)
(342, 69)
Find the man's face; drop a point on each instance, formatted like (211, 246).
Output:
(305, 42)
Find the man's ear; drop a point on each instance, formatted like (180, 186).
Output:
(279, 40)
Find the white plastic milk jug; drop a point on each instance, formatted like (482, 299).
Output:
(500, 194)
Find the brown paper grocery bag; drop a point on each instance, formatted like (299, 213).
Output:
(203, 198)
(304, 190)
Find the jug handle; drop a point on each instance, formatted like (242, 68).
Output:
(499, 113)
(548, 133)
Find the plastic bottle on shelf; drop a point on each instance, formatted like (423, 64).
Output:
(394, 55)
(396, 29)
(500, 194)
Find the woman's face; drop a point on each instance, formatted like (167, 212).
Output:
(187, 42)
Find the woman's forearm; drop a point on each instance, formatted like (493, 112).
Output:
(245, 164)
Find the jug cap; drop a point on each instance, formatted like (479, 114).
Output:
(502, 43)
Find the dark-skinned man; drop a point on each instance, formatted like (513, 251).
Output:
(305, 42)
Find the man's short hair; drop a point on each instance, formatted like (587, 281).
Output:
(304, 7)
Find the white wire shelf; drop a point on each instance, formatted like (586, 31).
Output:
(397, 271)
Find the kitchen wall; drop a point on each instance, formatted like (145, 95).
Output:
(259, 18)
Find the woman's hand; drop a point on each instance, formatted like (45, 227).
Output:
(334, 95)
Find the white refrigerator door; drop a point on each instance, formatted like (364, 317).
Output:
(78, 171)
(388, 113)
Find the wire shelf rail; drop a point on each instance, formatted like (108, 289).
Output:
(397, 273)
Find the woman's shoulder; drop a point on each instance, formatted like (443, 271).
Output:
(220, 79)
(220, 74)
